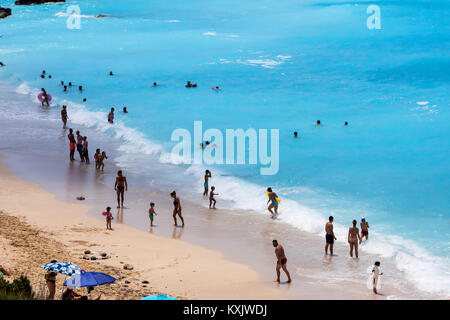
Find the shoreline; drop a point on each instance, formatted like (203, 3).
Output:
(173, 267)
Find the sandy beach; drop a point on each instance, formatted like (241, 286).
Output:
(44, 229)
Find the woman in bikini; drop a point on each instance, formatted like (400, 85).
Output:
(272, 197)
(177, 208)
(353, 239)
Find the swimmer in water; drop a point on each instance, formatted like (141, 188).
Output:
(84, 99)
(45, 98)
(212, 201)
(155, 84)
(205, 184)
(318, 123)
(190, 85)
(80, 88)
(346, 123)
(111, 73)
(216, 88)
(176, 208)
(125, 110)
(62, 83)
(120, 187)
(64, 116)
(70, 84)
(295, 134)
(111, 116)
(2, 64)
(353, 239)
(272, 198)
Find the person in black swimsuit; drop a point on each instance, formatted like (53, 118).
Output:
(177, 208)
(120, 186)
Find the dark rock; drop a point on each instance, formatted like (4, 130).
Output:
(28, 2)
(104, 254)
(4, 12)
(128, 267)
(81, 198)
(145, 282)
(87, 251)
(127, 282)
(93, 258)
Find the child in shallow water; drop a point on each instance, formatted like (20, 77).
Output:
(102, 157)
(212, 201)
(152, 213)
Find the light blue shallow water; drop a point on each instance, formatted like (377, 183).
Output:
(280, 64)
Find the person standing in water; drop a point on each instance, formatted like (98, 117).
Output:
(72, 144)
(212, 201)
(111, 116)
(329, 236)
(176, 209)
(272, 197)
(281, 261)
(120, 186)
(205, 185)
(376, 274)
(353, 239)
(152, 213)
(80, 145)
(64, 116)
(364, 229)
(85, 150)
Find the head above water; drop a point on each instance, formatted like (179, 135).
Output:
(318, 122)
(275, 243)
(295, 134)
(331, 218)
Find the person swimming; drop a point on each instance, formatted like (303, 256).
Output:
(2, 64)
(111, 73)
(125, 110)
(70, 84)
(155, 84)
(190, 85)
(346, 123)
(216, 88)
(318, 123)
(80, 88)
(295, 134)
(65, 88)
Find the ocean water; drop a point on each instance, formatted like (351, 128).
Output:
(281, 65)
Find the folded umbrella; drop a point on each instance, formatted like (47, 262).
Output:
(88, 279)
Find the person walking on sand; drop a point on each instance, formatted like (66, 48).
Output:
(64, 116)
(281, 261)
(176, 209)
(85, 150)
(353, 239)
(80, 145)
(212, 201)
(376, 274)
(329, 235)
(205, 185)
(151, 213)
(364, 229)
(109, 217)
(120, 186)
(72, 144)
(111, 116)
(272, 197)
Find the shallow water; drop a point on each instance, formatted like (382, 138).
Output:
(280, 65)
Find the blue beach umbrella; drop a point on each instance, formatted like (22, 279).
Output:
(88, 279)
(159, 297)
(66, 268)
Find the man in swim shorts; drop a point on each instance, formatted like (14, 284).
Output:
(364, 229)
(281, 261)
(80, 145)
(72, 144)
(329, 236)
(120, 186)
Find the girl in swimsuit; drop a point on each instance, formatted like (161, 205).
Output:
(353, 238)
(177, 208)
(272, 197)
(207, 176)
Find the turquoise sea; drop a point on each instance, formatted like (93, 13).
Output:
(281, 65)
